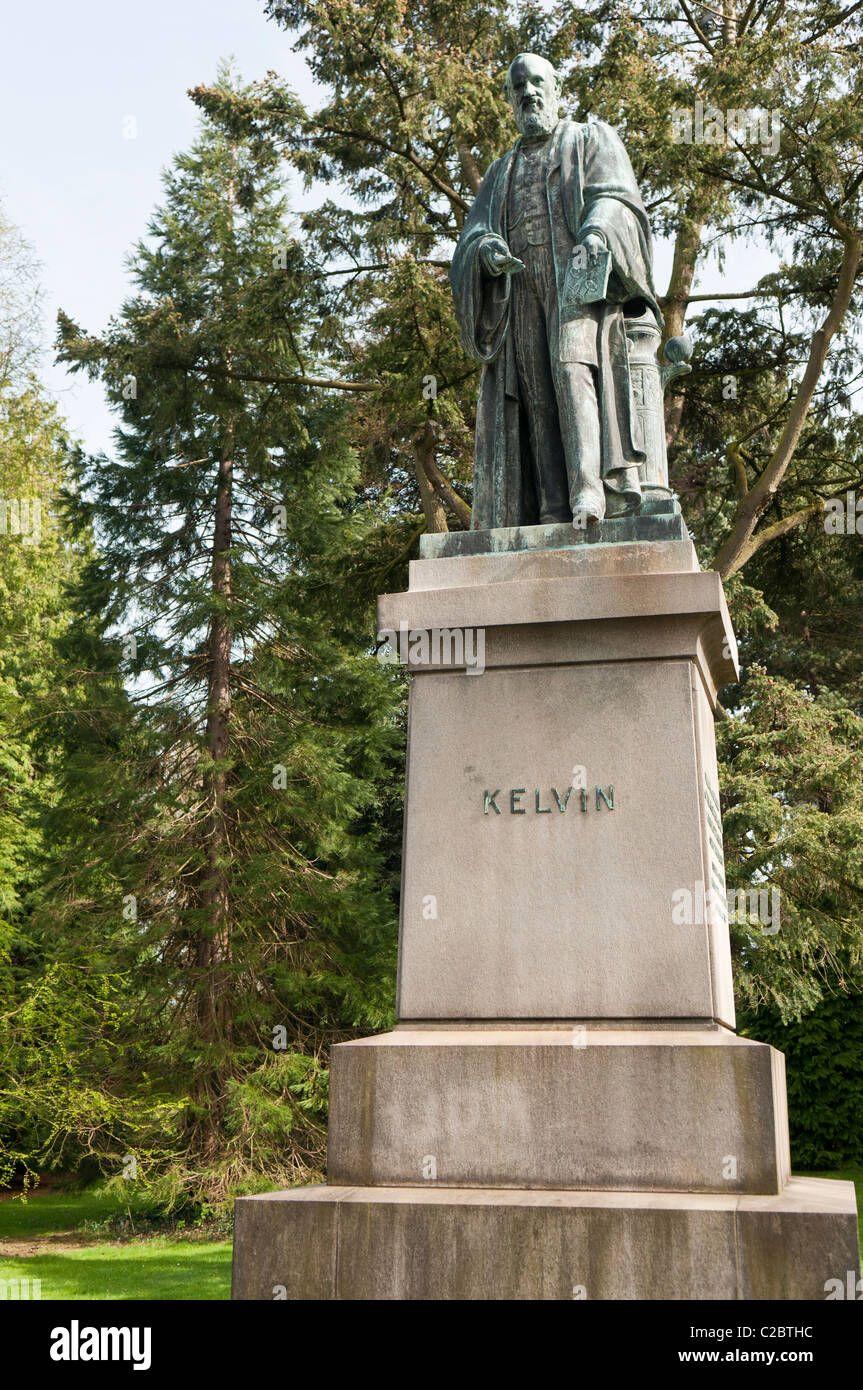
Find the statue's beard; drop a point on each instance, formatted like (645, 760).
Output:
(536, 120)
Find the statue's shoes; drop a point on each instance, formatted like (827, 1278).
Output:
(588, 509)
(617, 506)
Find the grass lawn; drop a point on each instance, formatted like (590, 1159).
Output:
(46, 1239)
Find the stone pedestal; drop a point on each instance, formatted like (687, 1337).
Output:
(563, 1109)
(674, 1110)
(456, 1243)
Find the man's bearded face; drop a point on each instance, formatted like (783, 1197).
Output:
(533, 94)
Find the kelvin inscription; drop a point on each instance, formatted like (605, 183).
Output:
(516, 793)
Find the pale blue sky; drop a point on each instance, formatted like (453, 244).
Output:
(70, 77)
(70, 74)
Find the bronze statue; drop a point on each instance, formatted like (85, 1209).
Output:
(553, 283)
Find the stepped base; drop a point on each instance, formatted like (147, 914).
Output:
(653, 1110)
(450, 1243)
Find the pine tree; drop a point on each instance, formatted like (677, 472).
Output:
(223, 841)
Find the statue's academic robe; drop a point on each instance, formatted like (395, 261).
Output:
(590, 186)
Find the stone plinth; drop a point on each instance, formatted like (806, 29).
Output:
(559, 804)
(697, 1110)
(438, 1243)
(563, 1109)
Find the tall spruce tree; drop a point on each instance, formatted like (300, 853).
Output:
(222, 843)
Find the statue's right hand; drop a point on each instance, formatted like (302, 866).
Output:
(497, 259)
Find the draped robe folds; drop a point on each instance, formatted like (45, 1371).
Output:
(590, 187)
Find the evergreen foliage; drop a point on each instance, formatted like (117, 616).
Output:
(824, 1066)
(215, 842)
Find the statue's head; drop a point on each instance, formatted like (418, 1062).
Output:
(532, 89)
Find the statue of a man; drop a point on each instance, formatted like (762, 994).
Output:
(555, 251)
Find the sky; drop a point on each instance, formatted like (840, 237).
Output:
(93, 107)
(71, 178)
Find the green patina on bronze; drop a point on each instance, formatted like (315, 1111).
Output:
(553, 285)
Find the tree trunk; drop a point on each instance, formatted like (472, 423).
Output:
(742, 542)
(213, 944)
(675, 304)
(432, 506)
(469, 167)
(442, 490)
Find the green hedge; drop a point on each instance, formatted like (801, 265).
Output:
(824, 1063)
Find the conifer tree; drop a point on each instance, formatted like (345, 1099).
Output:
(58, 1014)
(222, 843)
